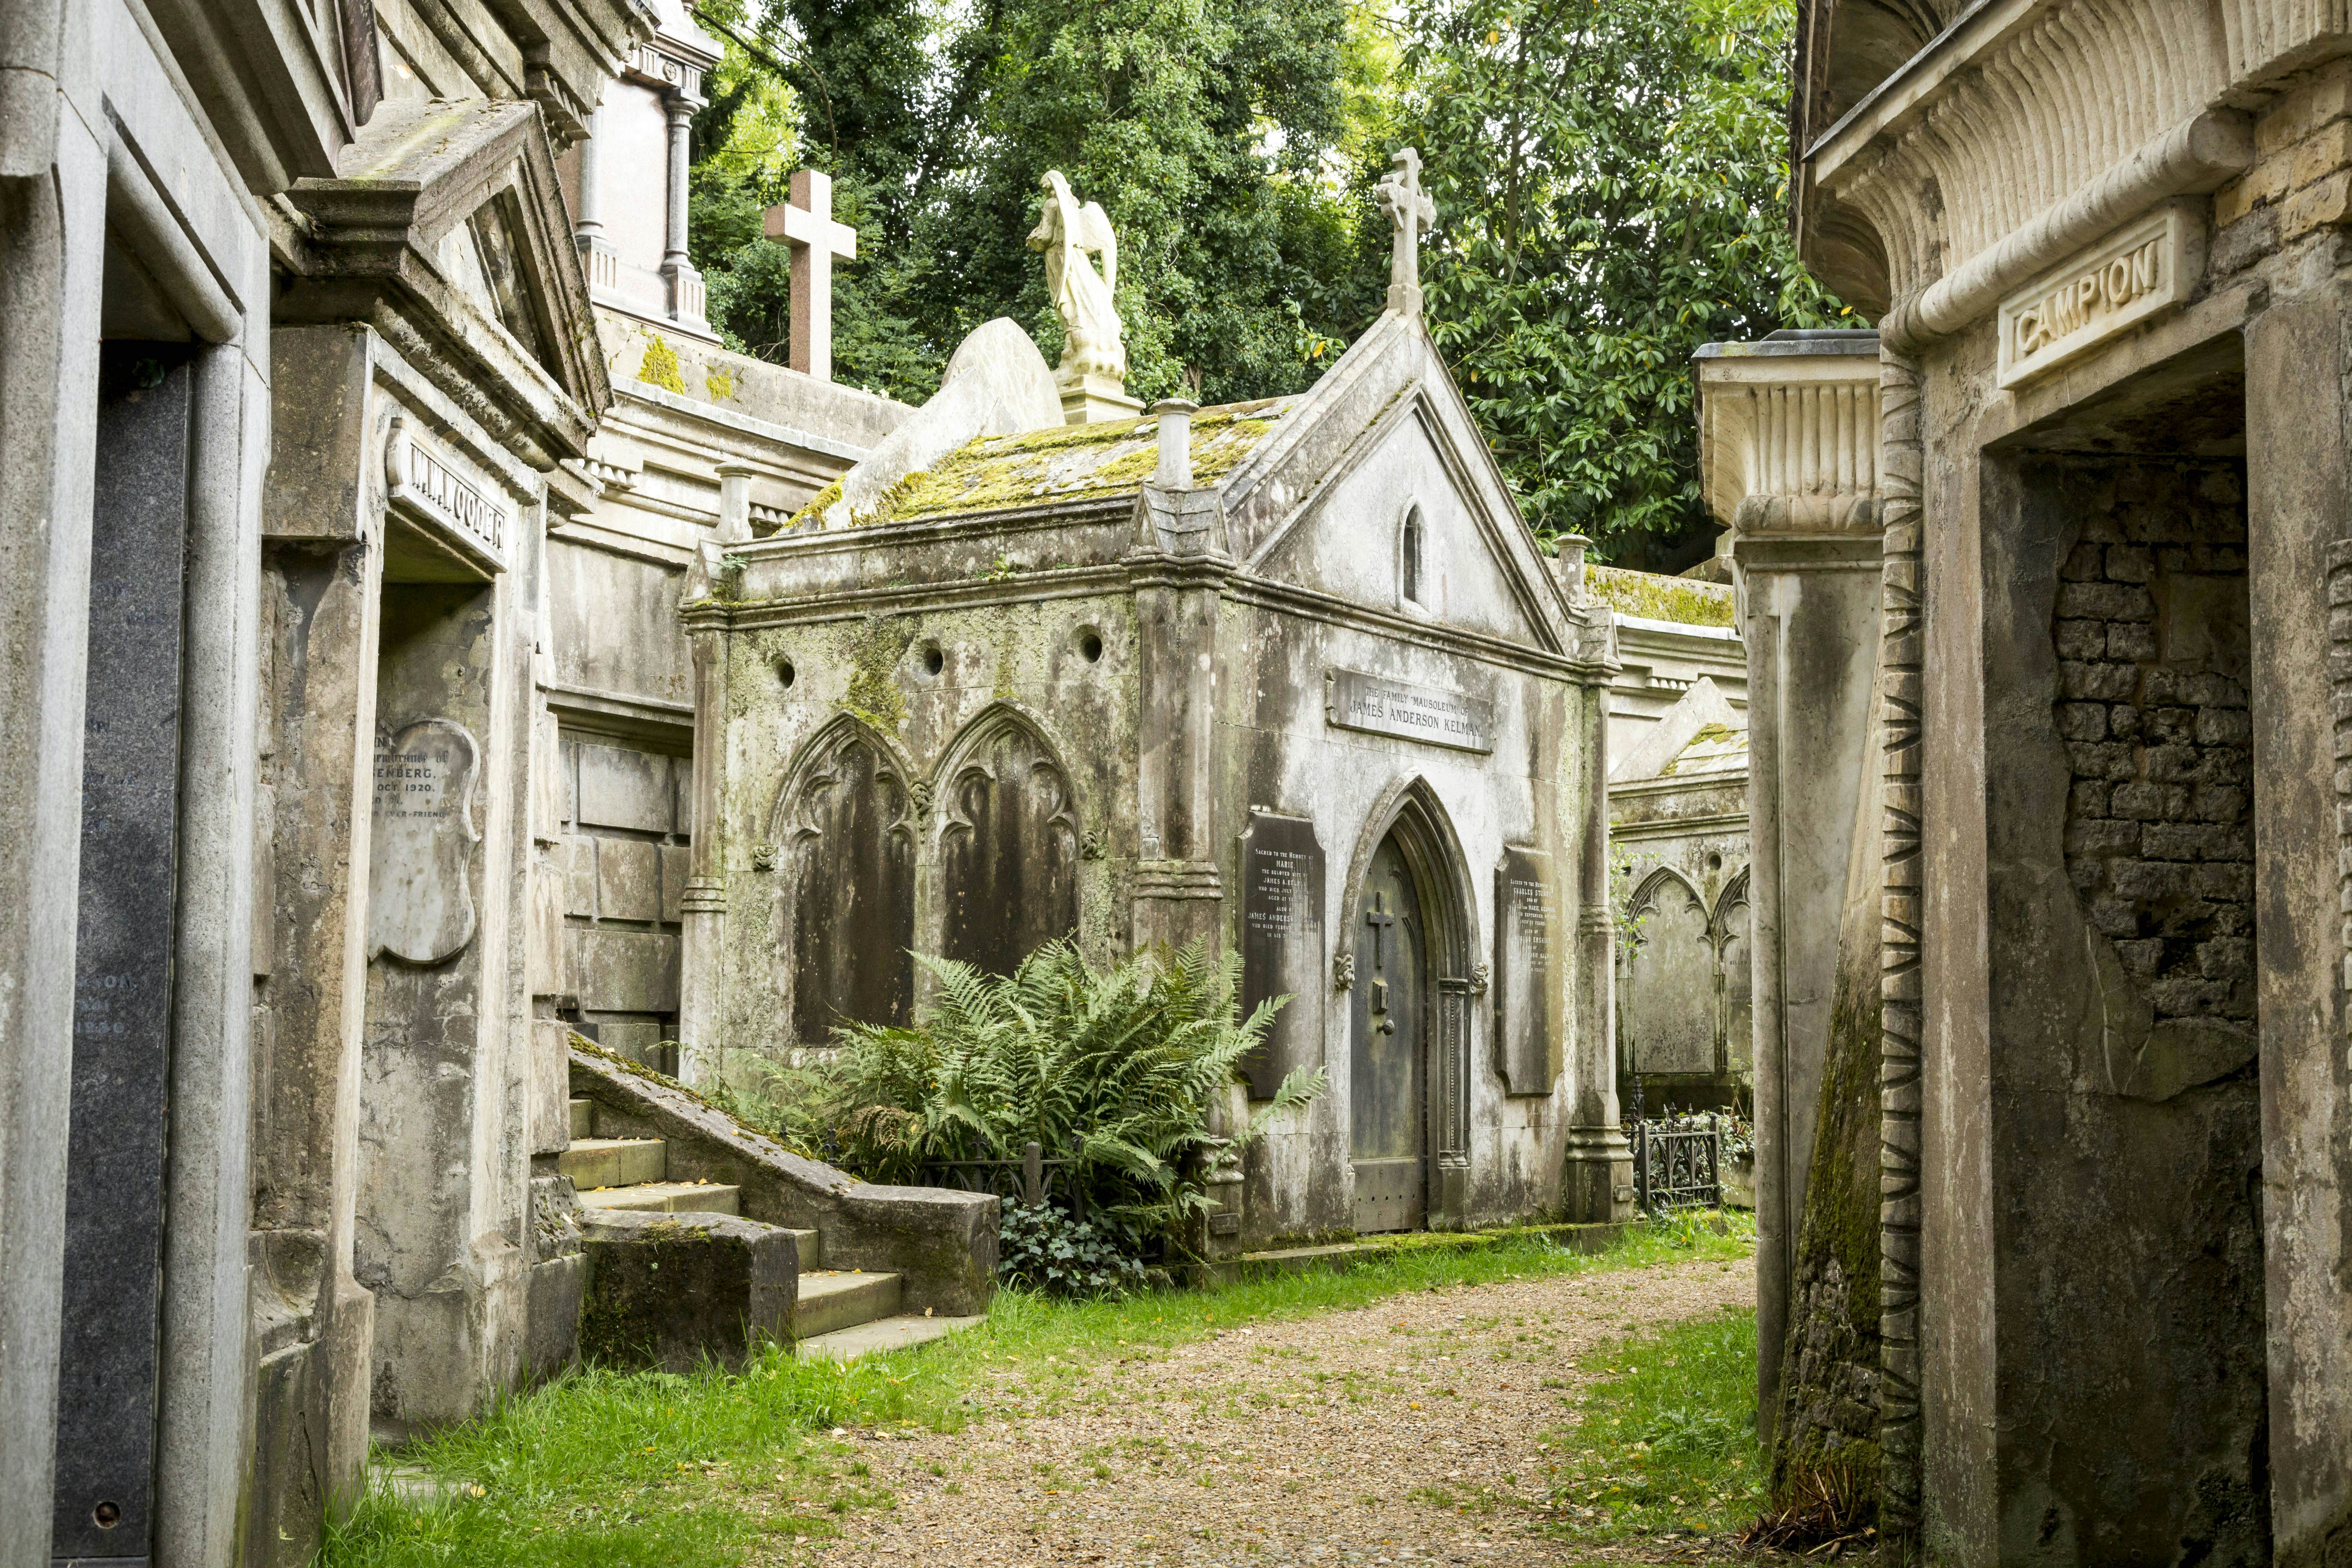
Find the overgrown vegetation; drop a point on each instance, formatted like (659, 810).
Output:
(604, 1469)
(1115, 1070)
(1664, 1444)
(1045, 1248)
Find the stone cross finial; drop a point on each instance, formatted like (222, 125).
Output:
(1409, 211)
(805, 222)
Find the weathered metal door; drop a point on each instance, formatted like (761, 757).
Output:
(1389, 1091)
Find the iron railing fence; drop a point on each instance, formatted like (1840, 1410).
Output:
(1030, 1179)
(1677, 1166)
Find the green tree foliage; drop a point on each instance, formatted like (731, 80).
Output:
(1215, 134)
(1610, 182)
(1609, 177)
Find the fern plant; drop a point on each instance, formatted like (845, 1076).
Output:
(1114, 1069)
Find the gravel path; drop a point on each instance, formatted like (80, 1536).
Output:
(1397, 1433)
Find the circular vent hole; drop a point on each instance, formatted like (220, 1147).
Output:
(1090, 646)
(785, 673)
(934, 659)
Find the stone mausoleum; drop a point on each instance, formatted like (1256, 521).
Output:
(1678, 833)
(1290, 676)
(2067, 628)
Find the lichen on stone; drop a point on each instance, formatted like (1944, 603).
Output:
(1659, 599)
(659, 366)
(1072, 462)
(815, 505)
(718, 384)
(874, 651)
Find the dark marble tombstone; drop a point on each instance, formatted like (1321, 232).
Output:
(1009, 852)
(1531, 986)
(1282, 944)
(122, 971)
(851, 899)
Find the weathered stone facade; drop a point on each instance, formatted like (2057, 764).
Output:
(1053, 685)
(2110, 998)
(335, 643)
(1678, 824)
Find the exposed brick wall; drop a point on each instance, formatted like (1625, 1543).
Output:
(2151, 638)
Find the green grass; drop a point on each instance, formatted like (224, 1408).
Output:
(621, 1470)
(1664, 1442)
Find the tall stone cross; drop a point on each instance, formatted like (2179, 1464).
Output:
(1409, 211)
(805, 222)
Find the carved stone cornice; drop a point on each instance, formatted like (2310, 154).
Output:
(1789, 434)
(2032, 128)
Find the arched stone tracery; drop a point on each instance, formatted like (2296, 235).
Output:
(845, 837)
(1009, 843)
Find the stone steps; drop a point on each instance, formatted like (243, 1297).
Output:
(836, 1313)
(881, 1335)
(665, 1197)
(841, 1299)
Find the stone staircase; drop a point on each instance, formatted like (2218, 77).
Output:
(725, 1287)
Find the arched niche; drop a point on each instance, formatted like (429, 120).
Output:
(1735, 941)
(1670, 993)
(1009, 843)
(845, 891)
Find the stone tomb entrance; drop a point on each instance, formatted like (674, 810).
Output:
(1407, 1027)
(2121, 697)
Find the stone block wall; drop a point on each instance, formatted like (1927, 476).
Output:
(2302, 177)
(2159, 843)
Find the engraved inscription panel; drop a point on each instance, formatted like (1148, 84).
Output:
(2090, 298)
(420, 889)
(1282, 944)
(1530, 983)
(1376, 705)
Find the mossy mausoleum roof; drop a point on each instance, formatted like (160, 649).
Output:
(1065, 463)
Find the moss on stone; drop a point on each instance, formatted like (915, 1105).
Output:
(718, 384)
(875, 650)
(815, 505)
(1829, 1371)
(659, 366)
(1071, 462)
(1658, 598)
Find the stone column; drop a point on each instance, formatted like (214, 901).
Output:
(735, 502)
(685, 294)
(2299, 505)
(1182, 565)
(1598, 1183)
(701, 1028)
(1789, 454)
(598, 259)
(589, 229)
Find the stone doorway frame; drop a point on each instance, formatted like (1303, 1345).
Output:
(1411, 810)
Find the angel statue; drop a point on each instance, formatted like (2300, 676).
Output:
(1068, 234)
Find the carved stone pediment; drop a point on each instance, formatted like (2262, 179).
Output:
(445, 230)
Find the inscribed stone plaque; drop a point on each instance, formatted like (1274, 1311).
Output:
(1282, 944)
(1355, 700)
(2094, 294)
(1530, 985)
(422, 482)
(420, 889)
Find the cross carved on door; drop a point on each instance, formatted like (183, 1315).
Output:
(1380, 920)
